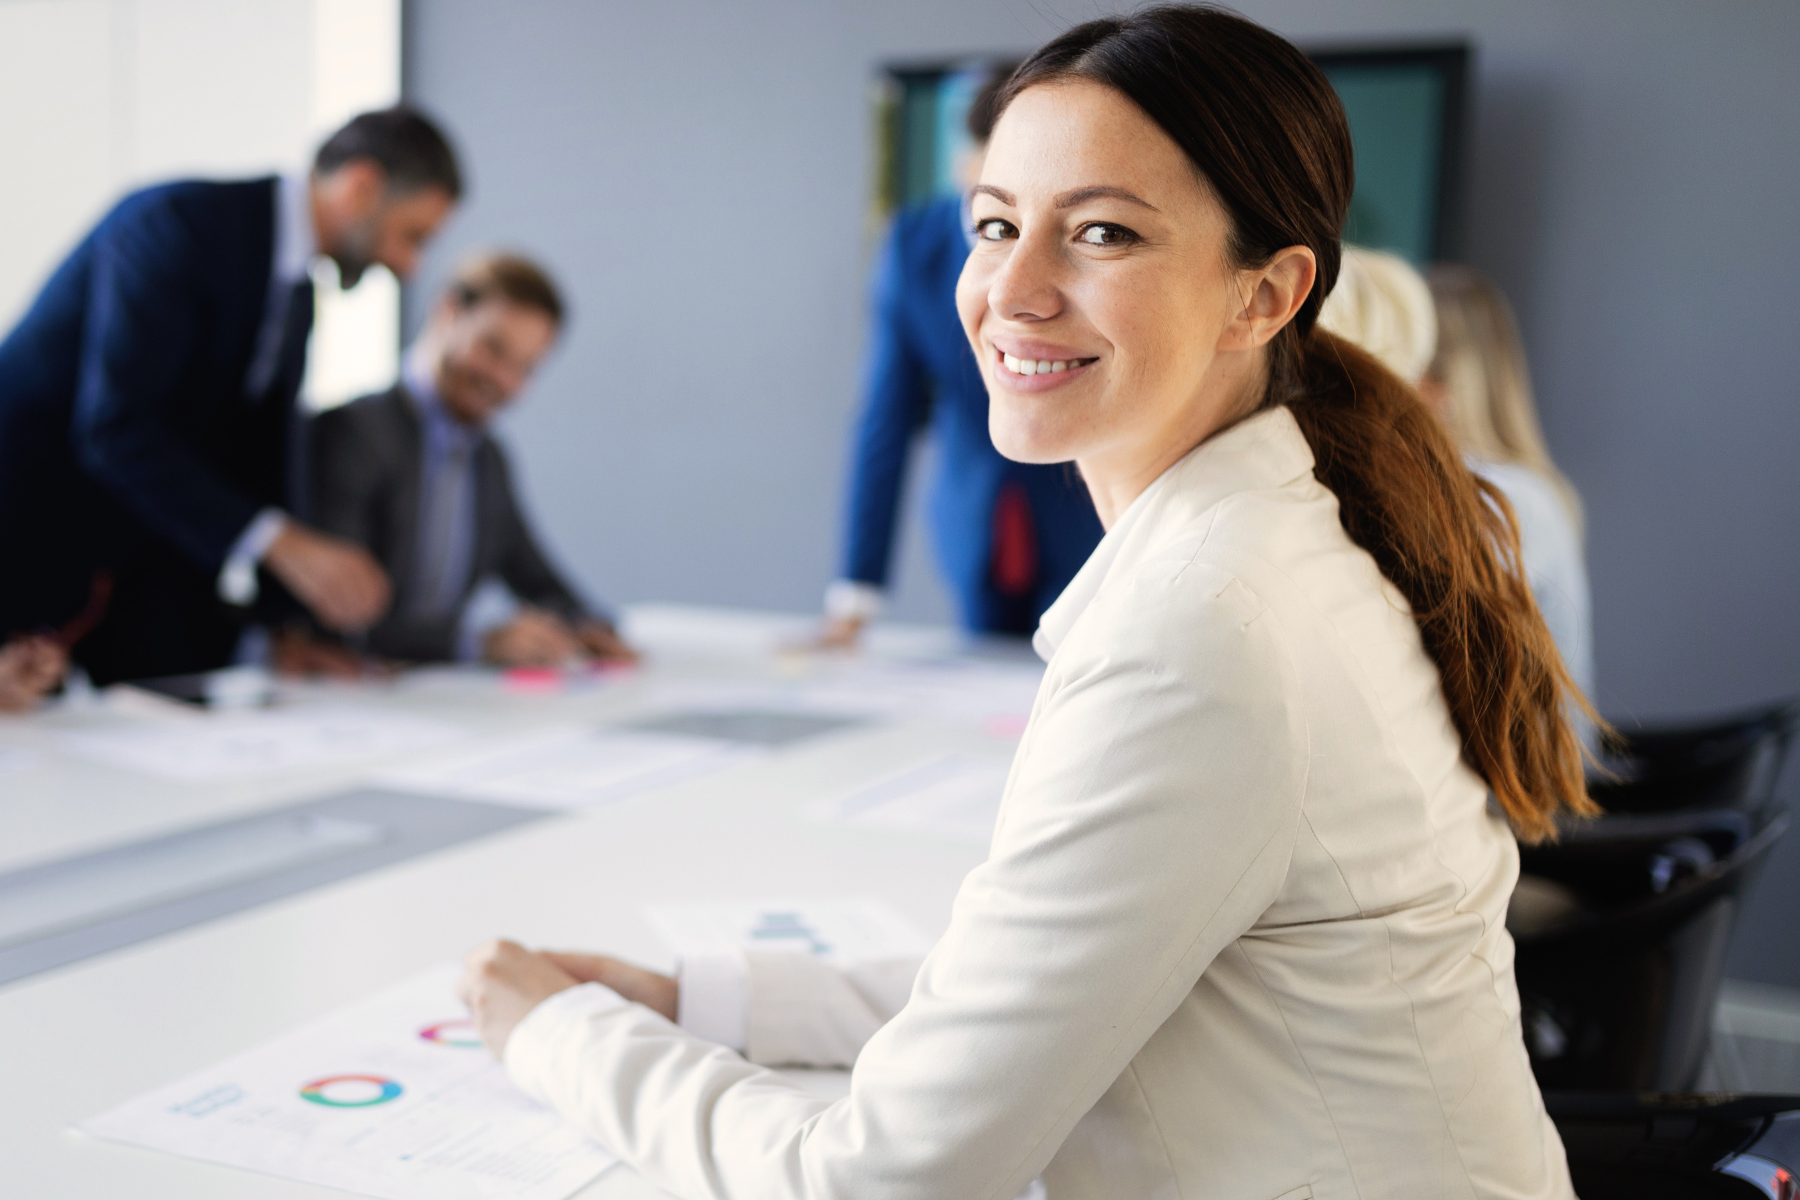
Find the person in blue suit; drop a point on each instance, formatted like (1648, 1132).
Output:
(1009, 536)
(147, 448)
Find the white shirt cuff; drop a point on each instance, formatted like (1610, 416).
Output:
(714, 1002)
(853, 600)
(237, 578)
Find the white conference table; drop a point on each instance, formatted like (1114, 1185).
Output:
(80, 1039)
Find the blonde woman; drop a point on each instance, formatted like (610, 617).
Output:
(1453, 338)
(1479, 383)
(1383, 305)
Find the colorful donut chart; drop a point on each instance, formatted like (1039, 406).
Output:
(317, 1091)
(458, 1034)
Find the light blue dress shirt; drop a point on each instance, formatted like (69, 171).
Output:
(445, 541)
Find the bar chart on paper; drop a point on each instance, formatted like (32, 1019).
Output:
(839, 928)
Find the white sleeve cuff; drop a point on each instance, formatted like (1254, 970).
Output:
(714, 1001)
(853, 600)
(237, 578)
(807, 1012)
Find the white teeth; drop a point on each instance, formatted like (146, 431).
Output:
(1036, 366)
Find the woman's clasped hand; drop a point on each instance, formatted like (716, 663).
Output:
(503, 981)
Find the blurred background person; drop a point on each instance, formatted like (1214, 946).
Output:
(1479, 382)
(1453, 338)
(1383, 305)
(1009, 536)
(147, 402)
(414, 475)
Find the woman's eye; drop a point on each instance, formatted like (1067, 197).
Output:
(994, 230)
(1102, 234)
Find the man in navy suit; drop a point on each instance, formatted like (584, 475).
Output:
(1009, 535)
(148, 455)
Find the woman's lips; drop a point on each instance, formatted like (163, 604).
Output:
(1036, 375)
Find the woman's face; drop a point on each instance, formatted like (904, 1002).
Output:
(1100, 300)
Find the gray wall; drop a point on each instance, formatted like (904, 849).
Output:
(697, 173)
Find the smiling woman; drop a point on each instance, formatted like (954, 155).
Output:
(1241, 927)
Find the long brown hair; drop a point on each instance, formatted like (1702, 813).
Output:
(1265, 131)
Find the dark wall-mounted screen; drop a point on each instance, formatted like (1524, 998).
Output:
(1406, 106)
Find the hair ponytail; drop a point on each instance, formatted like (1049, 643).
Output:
(1264, 128)
(1449, 541)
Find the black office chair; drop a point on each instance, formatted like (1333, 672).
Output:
(1618, 986)
(1732, 762)
(1656, 1147)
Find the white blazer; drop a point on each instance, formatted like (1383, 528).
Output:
(1240, 932)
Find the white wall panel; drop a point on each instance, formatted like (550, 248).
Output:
(56, 136)
(356, 66)
(219, 87)
(101, 96)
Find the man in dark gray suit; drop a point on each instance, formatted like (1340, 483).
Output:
(412, 474)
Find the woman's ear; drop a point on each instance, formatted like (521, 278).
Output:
(1271, 294)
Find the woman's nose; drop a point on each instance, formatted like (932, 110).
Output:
(1025, 288)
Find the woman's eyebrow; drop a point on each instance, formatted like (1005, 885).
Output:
(1068, 199)
(1101, 192)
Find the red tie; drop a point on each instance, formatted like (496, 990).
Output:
(1014, 564)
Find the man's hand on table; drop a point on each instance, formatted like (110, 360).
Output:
(833, 635)
(603, 642)
(29, 668)
(533, 638)
(296, 651)
(503, 981)
(338, 580)
(840, 633)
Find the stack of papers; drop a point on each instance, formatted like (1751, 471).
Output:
(955, 795)
(959, 690)
(393, 1097)
(210, 746)
(568, 768)
(998, 697)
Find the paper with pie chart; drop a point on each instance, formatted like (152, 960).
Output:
(391, 1097)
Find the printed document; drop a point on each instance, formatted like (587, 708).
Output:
(225, 745)
(568, 768)
(393, 1097)
(995, 696)
(955, 795)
